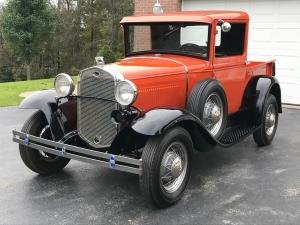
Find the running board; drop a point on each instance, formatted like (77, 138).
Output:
(236, 134)
(117, 162)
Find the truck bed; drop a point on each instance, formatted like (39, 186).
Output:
(255, 68)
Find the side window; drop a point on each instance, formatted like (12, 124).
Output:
(232, 42)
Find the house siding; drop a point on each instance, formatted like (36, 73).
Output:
(142, 34)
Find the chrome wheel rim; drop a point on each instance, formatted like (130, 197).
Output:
(213, 114)
(270, 120)
(173, 167)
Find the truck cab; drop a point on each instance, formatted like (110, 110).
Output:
(222, 53)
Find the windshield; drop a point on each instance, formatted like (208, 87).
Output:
(179, 38)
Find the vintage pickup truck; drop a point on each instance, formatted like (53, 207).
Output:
(185, 85)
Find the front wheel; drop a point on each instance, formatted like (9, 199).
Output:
(39, 161)
(265, 135)
(166, 167)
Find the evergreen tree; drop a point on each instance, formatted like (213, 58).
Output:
(26, 26)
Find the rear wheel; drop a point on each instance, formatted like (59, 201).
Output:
(166, 167)
(39, 161)
(265, 135)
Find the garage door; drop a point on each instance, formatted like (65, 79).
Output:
(274, 33)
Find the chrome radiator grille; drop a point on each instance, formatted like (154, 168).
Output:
(94, 121)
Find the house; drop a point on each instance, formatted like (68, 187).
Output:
(274, 33)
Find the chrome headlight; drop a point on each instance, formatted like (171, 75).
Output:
(64, 85)
(126, 92)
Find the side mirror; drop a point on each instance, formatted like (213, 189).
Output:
(226, 27)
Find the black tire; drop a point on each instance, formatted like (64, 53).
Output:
(32, 158)
(198, 97)
(152, 156)
(261, 136)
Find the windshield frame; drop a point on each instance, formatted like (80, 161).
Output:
(164, 51)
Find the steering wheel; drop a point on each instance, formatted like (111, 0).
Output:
(191, 47)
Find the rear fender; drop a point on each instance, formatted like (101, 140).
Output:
(256, 93)
(159, 121)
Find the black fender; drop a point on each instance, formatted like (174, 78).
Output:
(61, 116)
(256, 93)
(159, 121)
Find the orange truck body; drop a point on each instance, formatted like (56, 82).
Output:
(165, 80)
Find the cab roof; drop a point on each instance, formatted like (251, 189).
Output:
(188, 16)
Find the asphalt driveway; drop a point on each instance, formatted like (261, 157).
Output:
(240, 185)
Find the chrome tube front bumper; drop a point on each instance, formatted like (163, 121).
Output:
(117, 162)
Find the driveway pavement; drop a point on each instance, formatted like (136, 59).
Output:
(240, 185)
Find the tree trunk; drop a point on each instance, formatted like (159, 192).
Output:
(115, 26)
(58, 65)
(92, 30)
(59, 4)
(28, 71)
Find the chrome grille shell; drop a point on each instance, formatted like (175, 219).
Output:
(94, 121)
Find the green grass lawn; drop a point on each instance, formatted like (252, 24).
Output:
(10, 91)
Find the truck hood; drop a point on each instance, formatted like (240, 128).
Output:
(161, 80)
(146, 66)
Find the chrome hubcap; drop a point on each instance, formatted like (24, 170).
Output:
(173, 167)
(213, 113)
(176, 167)
(270, 120)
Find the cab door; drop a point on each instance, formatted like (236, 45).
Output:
(229, 61)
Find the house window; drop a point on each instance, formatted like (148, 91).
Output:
(232, 42)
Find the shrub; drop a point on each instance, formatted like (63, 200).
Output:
(6, 74)
(107, 53)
